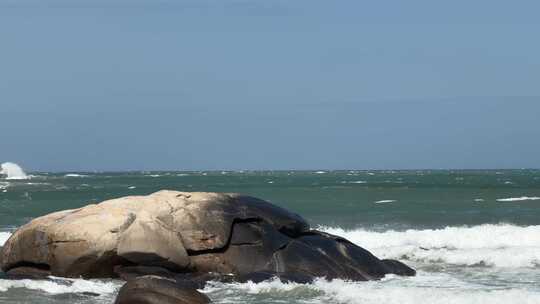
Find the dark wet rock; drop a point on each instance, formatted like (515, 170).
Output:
(27, 272)
(251, 249)
(155, 290)
(399, 268)
(190, 238)
(283, 220)
(323, 255)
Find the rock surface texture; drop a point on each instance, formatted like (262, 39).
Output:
(171, 234)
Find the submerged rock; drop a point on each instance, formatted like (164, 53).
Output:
(183, 236)
(156, 290)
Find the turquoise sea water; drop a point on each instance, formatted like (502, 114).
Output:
(473, 235)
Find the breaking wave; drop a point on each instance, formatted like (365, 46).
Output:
(426, 288)
(62, 285)
(502, 245)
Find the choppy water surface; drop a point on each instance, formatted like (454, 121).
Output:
(474, 236)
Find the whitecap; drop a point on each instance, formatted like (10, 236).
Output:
(384, 201)
(478, 200)
(354, 182)
(518, 199)
(132, 187)
(319, 172)
(75, 175)
(502, 245)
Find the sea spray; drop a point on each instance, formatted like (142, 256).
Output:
(4, 236)
(12, 171)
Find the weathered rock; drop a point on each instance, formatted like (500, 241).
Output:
(147, 241)
(155, 290)
(190, 238)
(160, 229)
(28, 273)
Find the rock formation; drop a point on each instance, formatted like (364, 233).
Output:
(174, 234)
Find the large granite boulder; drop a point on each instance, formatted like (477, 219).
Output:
(171, 233)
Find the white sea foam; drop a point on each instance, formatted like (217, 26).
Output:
(4, 236)
(384, 201)
(491, 245)
(425, 288)
(132, 187)
(320, 172)
(62, 285)
(12, 171)
(518, 199)
(354, 182)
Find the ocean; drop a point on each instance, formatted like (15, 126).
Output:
(472, 235)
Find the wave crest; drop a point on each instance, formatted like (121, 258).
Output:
(425, 288)
(501, 245)
(62, 285)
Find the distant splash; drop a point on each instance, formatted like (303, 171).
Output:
(12, 171)
(490, 245)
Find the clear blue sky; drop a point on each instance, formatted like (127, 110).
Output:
(141, 85)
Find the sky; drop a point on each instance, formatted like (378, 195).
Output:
(211, 85)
